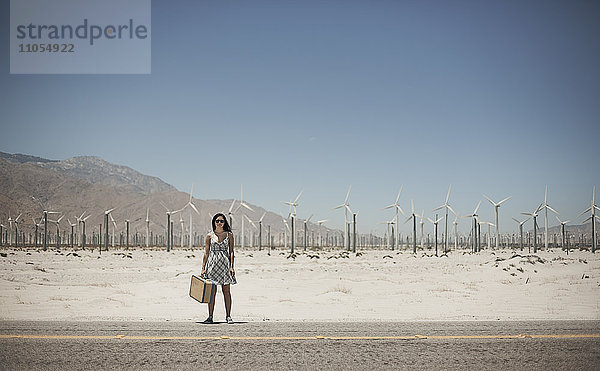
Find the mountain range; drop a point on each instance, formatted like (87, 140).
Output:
(92, 185)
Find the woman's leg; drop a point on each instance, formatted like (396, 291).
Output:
(227, 297)
(211, 306)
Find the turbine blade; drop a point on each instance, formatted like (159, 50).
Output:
(194, 207)
(247, 207)
(506, 199)
(299, 194)
(556, 212)
(231, 207)
(451, 209)
(489, 199)
(477, 208)
(448, 195)
(586, 210)
(399, 192)
(263, 215)
(437, 208)
(347, 194)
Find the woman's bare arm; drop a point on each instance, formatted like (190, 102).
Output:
(206, 252)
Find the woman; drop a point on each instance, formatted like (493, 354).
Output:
(217, 264)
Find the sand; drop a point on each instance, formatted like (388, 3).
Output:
(374, 285)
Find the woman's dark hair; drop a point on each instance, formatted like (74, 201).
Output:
(226, 226)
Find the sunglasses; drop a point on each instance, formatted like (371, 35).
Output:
(219, 221)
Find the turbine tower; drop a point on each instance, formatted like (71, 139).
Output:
(496, 207)
(169, 229)
(593, 218)
(243, 204)
(346, 207)
(562, 232)
(397, 207)
(534, 215)
(413, 216)
(474, 215)
(292, 214)
(546, 207)
(305, 230)
(193, 207)
(446, 206)
(435, 227)
(521, 229)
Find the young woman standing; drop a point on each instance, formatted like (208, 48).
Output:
(217, 264)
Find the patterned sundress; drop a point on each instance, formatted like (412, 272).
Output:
(217, 266)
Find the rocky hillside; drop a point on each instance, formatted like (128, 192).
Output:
(96, 170)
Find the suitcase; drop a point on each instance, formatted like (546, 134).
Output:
(202, 290)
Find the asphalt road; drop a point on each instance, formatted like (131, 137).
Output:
(548, 345)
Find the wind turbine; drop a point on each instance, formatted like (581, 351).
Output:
(182, 229)
(242, 204)
(305, 235)
(169, 229)
(474, 215)
(346, 207)
(496, 207)
(106, 214)
(446, 206)
(593, 218)
(193, 207)
(114, 229)
(422, 223)
(412, 216)
(147, 227)
(45, 212)
(78, 219)
(320, 223)
(455, 223)
(2, 226)
(72, 233)
(10, 226)
(292, 214)
(16, 221)
(534, 215)
(230, 214)
(389, 223)
(489, 224)
(58, 230)
(435, 226)
(546, 207)
(260, 231)
(562, 231)
(521, 229)
(37, 227)
(287, 227)
(397, 207)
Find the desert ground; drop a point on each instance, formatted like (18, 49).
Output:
(332, 285)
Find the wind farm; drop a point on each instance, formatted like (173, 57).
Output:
(132, 225)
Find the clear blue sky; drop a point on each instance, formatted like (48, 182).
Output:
(494, 97)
